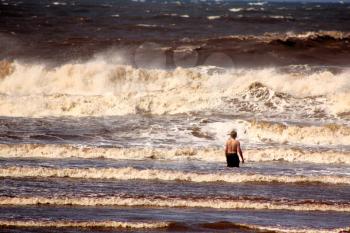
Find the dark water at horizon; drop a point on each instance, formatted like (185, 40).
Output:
(248, 33)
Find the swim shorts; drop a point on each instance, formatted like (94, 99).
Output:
(232, 160)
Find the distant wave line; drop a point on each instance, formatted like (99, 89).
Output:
(82, 224)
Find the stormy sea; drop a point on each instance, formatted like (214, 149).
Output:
(114, 115)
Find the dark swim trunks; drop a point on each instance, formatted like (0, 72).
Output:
(232, 160)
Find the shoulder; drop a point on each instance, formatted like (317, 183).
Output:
(229, 141)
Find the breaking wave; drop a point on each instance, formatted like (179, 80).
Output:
(155, 225)
(303, 37)
(104, 87)
(181, 202)
(264, 131)
(267, 229)
(206, 154)
(129, 173)
(328, 134)
(82, 224)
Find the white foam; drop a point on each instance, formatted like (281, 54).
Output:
(101, 87)
(59, 3)
(177, 202)
(235, 9)
(167, 175)
(252, 9)
(212, 17)
(257, 3)
(291, 229)
(261, 131)
(147, 225)
(172, 14)
(82, 224)
(205, 154)
(147, 25)
(280, 17)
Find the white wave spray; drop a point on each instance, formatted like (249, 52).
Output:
(82, 224)
(264, 131)
(205, 154)
(178, 202)
(167, 175)
(146, 225)
(103, 87)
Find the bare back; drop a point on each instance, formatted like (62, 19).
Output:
(232, 146)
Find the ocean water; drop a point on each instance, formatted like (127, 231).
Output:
(114, 115)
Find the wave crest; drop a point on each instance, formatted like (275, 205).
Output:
(267, 229)
(82, 224)
(329, 134)
(103, 87)
(167, 175)
(154, 225)
(179, 202)
(287, 38)
(207, 154)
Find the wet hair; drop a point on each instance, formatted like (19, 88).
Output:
(233, 133)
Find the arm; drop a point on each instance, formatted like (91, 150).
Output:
(226, 148)
(240, 151)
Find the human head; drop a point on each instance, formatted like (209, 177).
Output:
(233, 133)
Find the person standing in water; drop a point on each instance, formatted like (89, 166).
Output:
(232, 149)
